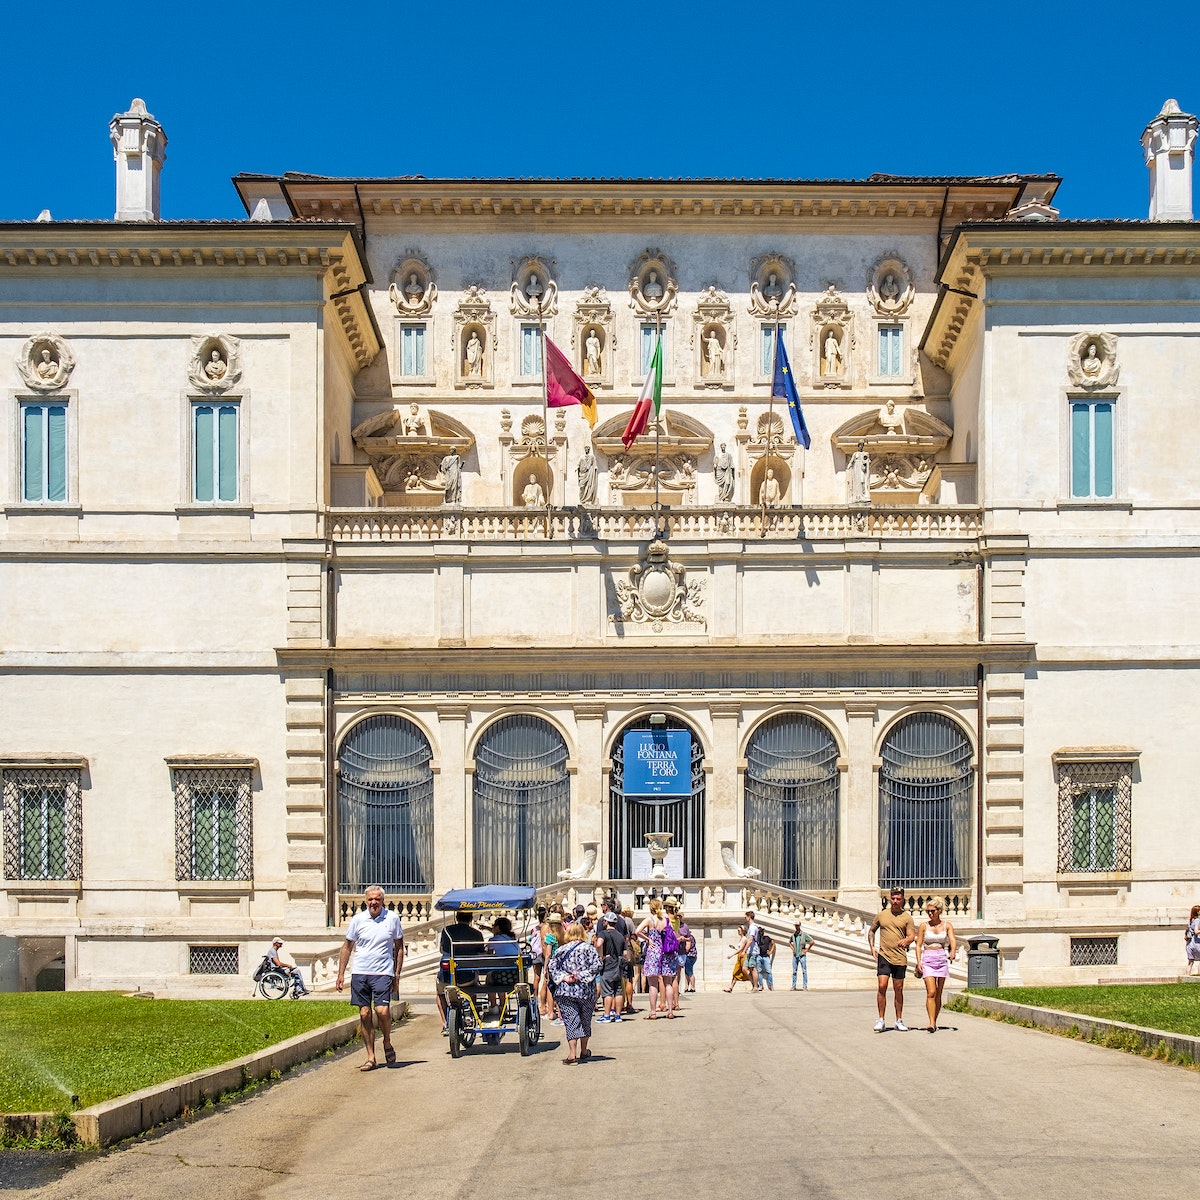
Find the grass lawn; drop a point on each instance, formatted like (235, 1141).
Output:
(1174, 1007)
(97, 1045)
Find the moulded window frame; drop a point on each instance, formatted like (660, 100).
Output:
(767, 377)
(637, 375)
(188, 502)
(519, 377)
(906, 376)
(1117, 397)
(428, 379)
(69, 399)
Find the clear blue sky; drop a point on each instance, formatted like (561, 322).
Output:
(796, 90)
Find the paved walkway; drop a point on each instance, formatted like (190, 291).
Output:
(783, 1094)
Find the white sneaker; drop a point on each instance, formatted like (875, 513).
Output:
(879, 1025)
(901, 1027)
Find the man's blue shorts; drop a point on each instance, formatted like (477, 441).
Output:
(373, 991)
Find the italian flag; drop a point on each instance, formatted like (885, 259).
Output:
(651, 395)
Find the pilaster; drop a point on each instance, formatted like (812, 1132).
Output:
(858, 831)
(453, 823)
(589, 796)
(724, 819)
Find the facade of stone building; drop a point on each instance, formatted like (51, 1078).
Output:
(304, 588)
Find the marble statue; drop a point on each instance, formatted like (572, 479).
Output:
(723, 470)
(215, 368)
(533, 496)
(47, 368)
(1090, 364)
(415, 422)
(831, 360)
(890, 419)
(587, 472)
(474, 363)
(859, 475)
(714, 354)
(772, 291)
(592, 353)
(533, 291)
(768, 492)
(733, 868)
(452, 477)
(652, 291)
(889, 290)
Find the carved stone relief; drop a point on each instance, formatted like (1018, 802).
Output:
(533, 288)
(592, 337)
(713, 339)
(534, 464)
(474, 340)
(831, 341)
(889, 286)
(215, 364)
(658, 592)
(769, 454)
(891, 453)
(416, 455)
(45, 362)
(653, 284)
(772, 287)
(682, 443)
(1092, 362)
(413, 288)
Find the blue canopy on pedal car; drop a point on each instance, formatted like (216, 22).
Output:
(481, 899)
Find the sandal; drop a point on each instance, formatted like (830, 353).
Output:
(389, 1055)
(651, 1017)
(727, 989)
(369, 1065)
(567, 1062)
(585, 1056)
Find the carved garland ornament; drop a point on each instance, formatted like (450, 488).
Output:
(45, 362)
(772, 287)
(656, 592)
(889, 286)
(532, 283)
(413, 288)
(215, 364)
(653, 284)
(1093, 361)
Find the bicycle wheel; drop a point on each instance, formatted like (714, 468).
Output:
(535, 1022)
(452, 1031)
(274, 985)
(523, 1031)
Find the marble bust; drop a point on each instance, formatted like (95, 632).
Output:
(890, 419)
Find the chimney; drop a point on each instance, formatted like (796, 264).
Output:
(1169, 143)
(139, 146)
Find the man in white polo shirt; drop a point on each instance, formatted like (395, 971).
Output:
(377, 941)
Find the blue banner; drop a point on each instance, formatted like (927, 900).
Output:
(658, 762)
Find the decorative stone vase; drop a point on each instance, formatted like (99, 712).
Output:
(658, 844)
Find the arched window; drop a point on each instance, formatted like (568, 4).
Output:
(791, 794)
(522, 803)
(925, 804)
(385, 807)
(631, 817)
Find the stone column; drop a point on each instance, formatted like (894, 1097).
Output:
(858, 833)
(589, 799)
(453, 823)
(723, 801)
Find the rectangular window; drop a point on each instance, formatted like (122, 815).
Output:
(43, 452)
(1094, 815)
(1091, 448)
(647, 340)
(766, 350)
(43, 834)
(212, 823)
(412, 351)
(1094, 952)
(891, 338)
(215, 462)
(531, 351)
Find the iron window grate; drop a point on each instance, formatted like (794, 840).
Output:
(213, 838)
(1094, 952)
(212, 960)
(1094, 816)
(43, 823)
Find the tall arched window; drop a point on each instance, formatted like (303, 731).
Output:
(791, 793)
(925, 804)
(522, 803)
(385, 807)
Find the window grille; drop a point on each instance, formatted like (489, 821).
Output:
(213, 833)
(791, 796)
(925, 805)
(43, 823)
(212, 960)
(385, 807)
(522, 802)
(1094, 816)
(1094, 952)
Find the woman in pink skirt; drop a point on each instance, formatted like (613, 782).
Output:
(936, 950)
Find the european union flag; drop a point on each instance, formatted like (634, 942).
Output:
(784, 387)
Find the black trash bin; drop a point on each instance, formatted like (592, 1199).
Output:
(983, 961)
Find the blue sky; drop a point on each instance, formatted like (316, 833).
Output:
(630, 89)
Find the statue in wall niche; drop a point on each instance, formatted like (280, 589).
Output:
(533, 496)
(47, 367)
(451, 468)
(768, 492)
(889, 290)
(415, 422)
(652, 290)
(1091, 363)
(772, 291)
(859, 475)
(591, 353)
(723, 471)
(533, 291)
(216, 367)
(831, 358)
(890, 419)
(587, 472)
(474, 356)
(714, 354)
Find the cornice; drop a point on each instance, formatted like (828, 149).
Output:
(329, 250)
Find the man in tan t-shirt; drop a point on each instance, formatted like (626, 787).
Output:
(896, 933)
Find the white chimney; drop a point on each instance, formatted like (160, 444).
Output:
(1169, 143)
(139, 146)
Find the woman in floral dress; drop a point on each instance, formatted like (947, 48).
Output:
(657, 963)
(573, 970)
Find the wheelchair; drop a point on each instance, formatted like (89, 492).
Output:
(273, 983)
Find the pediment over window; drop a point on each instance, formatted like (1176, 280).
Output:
(905, 429)
(677, 433)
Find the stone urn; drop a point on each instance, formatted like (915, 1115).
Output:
(658, 844)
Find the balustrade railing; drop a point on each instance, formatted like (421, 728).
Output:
(829, 523)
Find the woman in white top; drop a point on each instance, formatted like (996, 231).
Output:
(936, 950)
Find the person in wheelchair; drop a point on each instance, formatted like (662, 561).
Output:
(285, 963)
(464, 935)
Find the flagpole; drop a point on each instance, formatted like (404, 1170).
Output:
(770, 427)
(545, 410)
(657, 415)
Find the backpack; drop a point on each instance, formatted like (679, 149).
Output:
(263, 967)
(670, 940)
(765, 945)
